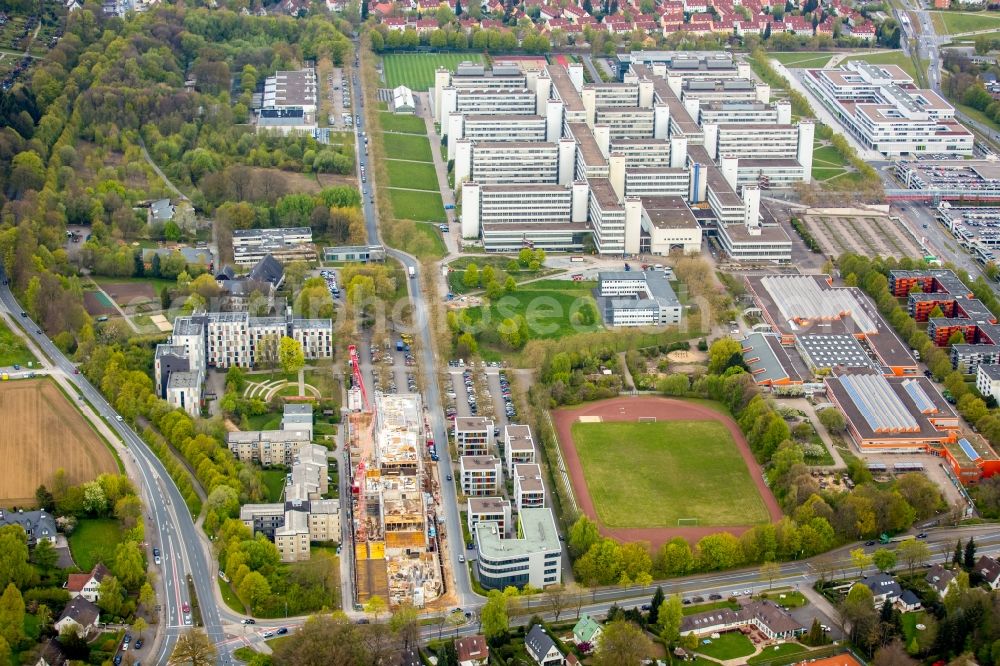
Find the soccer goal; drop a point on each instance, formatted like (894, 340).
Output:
(647, 419)
(687, 522)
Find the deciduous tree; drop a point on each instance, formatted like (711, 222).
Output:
(12, 615)
(193, 648)
(290, 355)
(623, 643)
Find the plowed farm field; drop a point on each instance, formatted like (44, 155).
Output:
(40, 431)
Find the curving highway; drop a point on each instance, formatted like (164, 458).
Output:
(168, 522)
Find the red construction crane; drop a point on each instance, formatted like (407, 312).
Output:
(358, 381)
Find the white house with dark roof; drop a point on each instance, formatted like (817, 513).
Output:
(989, 569)
(766, 616)
(940, 579)
(908, 602)
(80, 615)
(883, 586)
(542, 648)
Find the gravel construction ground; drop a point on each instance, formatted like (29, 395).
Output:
(867, 234)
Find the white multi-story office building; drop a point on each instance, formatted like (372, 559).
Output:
(882, 108)
(510, 217)
(507, 163)
(284, 244)
(626, 122)
(638, 299)
(532, 559)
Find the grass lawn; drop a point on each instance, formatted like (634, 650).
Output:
(244, 653)
(955, 22)
(693, 609)
(788, 598)
(701, 661)
(407, 147)
(910, 622)
(499, 264)
(229, 596)
(548, 306)
(416, 70)
(267, 421)
(652, 474)
(801, 59)
(12, 349)
(419, 206)
(887, 58)
(776, 652)
(156, 283)
(94, 540)
(401, 122)
(274, 479)
(412, 175)
(730, 645)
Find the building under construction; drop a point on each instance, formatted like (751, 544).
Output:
(395, 555)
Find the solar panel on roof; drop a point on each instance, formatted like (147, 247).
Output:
(970, 452)
(919, 397)
(877, 467)
(878, 404)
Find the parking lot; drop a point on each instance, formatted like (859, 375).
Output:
(340, 99)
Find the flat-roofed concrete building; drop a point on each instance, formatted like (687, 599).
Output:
(184, 391)
(637, 299)
(291, 89)
(533, 558)
(529, 491)
(284, 244)
(490, 510)
(268, 447)
(298, 417)
(480, 475)
(552, 217)
(880, 106)
(668, 224)
(292, 538)
(473, 435)
(518, 446)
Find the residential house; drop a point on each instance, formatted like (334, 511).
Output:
(160, 210)
(81, 616)
(426, 25)
(940, 579)
(529, 491)
(989, 569)
(766, 616)
(52, 654)
(884, 588)
(87, 585)
(542, 648)
(472, 651)
(908, 602)
(587, 630)
(397, 23)
(36, 524)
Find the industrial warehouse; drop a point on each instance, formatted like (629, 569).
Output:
(835, 340)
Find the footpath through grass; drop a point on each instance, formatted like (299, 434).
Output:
(416, 70)
(653, 474)
(801, 59)
(957, 22)
(12, 349)
(93, 541)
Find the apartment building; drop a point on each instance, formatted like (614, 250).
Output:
(292, 538)
(884, 110)
(284, 244)
(267, 447)
(532, 558)
(298, 417)
(518, 446)
(529, 491)
(168, 359)
(480, 475)
(488, 510)
(473, 435)
(184, 391)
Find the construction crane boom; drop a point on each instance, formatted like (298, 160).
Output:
(356, 370)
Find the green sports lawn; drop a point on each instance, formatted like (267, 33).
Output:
(407, 147)
(801, 58)
(957, 22)
(412, 175)
(416, 205)
(652, 474)
(401, 122)
(416, 70)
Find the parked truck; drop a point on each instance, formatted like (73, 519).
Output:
(412, 271)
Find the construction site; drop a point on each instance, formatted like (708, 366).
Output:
(394, 500)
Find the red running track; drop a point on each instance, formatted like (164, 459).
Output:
(664, 409)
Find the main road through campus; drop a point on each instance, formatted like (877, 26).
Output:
(167, 515)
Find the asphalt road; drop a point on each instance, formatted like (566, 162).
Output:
(168, 520)
(425, 358)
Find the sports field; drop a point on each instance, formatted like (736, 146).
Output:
(40, 431)
(412, 175)
(653, 474)
(417, 205)
(416, 70)
(407, 147)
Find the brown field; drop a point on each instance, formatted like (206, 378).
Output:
(130, 293)
(94, 303)
(40, 431)
(293, 181)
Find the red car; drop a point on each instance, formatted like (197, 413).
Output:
(185, 607)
